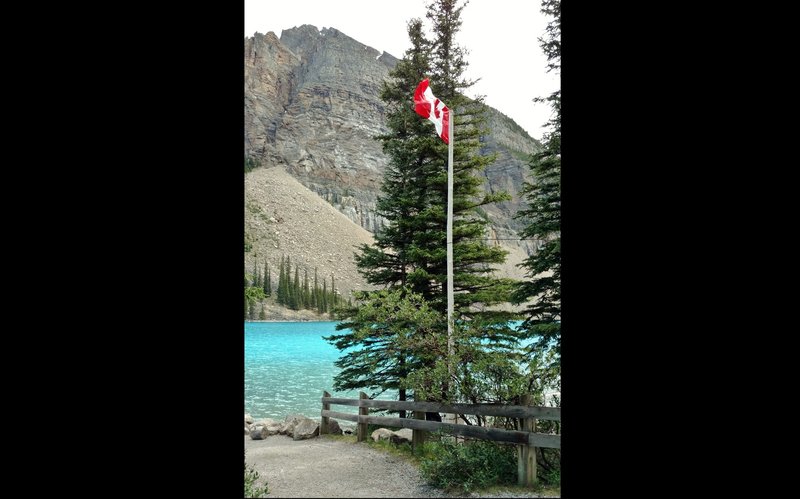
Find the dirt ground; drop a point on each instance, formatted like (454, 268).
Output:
(328, 467)
(324, 467)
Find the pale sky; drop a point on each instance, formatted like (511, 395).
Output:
(500, 36)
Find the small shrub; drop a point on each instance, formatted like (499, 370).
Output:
(479, 464)
(250, 487)
(254, 293)
(549, 466)
(251, 163)
(551, 477)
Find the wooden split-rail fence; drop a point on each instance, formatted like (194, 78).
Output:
(525, 439)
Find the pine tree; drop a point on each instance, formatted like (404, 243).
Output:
(472, 256)
(297, 291)
(324, 306)
(315, 292)
(306, 291)
(387, 320)
(405, 193)
(411, 249)
(543, 215)
(290, 297)
(262, 315)
(333, 294)
(251, 310)
(282, 283)
(267, 279)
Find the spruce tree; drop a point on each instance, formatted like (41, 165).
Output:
(543, 215)
(306, 291)
(315, 292)
(324, 305)
(262, 315)
(472, 257)
(290, 297)
(267, 279)
(411, 249)
(387, 320)
(333, 294)
(282, 282)
(388, 263)
(252, 309)
(296, 290)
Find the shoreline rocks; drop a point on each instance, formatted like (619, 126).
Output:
(296, 426)
(396, 437)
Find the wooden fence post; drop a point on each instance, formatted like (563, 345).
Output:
(526, 454)
(417, 436)
(323, 426)
(362, 411)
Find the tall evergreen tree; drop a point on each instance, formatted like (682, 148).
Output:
(282, 296)
(262, 315)
(543, 215)
(473, 258)
(306, 291)
(296, 291)
(251, 312)
(387, 320)
(315, 292)
(404, 192)
(411, 249)
(333, 300)
(267, 279)
(290, 296)
(324, 305)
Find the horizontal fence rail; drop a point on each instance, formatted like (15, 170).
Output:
(511, 411)
(526, 439)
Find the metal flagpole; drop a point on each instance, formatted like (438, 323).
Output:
(450, 240)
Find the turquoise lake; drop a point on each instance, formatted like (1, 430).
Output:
(287, 365)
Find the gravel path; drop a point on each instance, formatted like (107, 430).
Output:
(324, 467)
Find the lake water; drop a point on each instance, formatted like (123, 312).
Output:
(287, 365)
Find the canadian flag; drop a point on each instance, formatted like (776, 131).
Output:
(428, 106)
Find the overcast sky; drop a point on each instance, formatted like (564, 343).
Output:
(500, 35)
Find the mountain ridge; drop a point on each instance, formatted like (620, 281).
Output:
(312, 107)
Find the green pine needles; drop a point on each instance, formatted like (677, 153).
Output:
(290, 291)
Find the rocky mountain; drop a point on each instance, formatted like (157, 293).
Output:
(312, 107)
(282, 217)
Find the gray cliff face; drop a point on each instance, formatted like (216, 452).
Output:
(312, 106)
(512, 145)
(269, 86)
